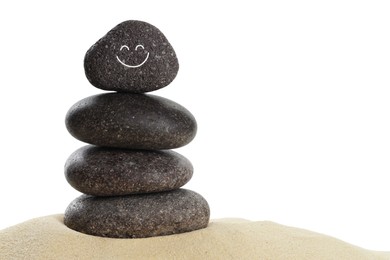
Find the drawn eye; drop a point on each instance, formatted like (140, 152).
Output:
(139, 45)
(127, 47)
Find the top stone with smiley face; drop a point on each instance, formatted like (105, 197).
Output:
(132, 57)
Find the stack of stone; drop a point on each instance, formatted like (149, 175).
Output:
(130, 179)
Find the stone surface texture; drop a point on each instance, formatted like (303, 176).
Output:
(138, 216)
(132, 121)
(104, 171)
(132, 57)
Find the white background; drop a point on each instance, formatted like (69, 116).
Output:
(292, 100)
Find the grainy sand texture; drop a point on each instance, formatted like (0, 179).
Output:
(48, 238)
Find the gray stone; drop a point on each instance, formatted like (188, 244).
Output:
(133, 57)
(104, 171)
(132, 121)
(138, 216)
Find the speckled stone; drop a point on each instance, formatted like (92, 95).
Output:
(132, 121)
(137, 216)
(133, 57)
(104, 171)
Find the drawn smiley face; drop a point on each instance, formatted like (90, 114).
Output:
(122, 49)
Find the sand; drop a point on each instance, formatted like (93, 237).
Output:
(48, 238)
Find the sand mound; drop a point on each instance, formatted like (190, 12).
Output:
(48, 238)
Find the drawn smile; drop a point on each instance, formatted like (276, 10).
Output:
(136, 48)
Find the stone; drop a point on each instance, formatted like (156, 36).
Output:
(131, 121)
(133, 57)
(102, 171)
(138, 216)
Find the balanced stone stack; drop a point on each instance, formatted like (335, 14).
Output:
(130, 179)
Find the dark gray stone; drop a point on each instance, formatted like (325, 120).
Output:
(104, 171)
(133, 57)
(137, 216)
(132, 121)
